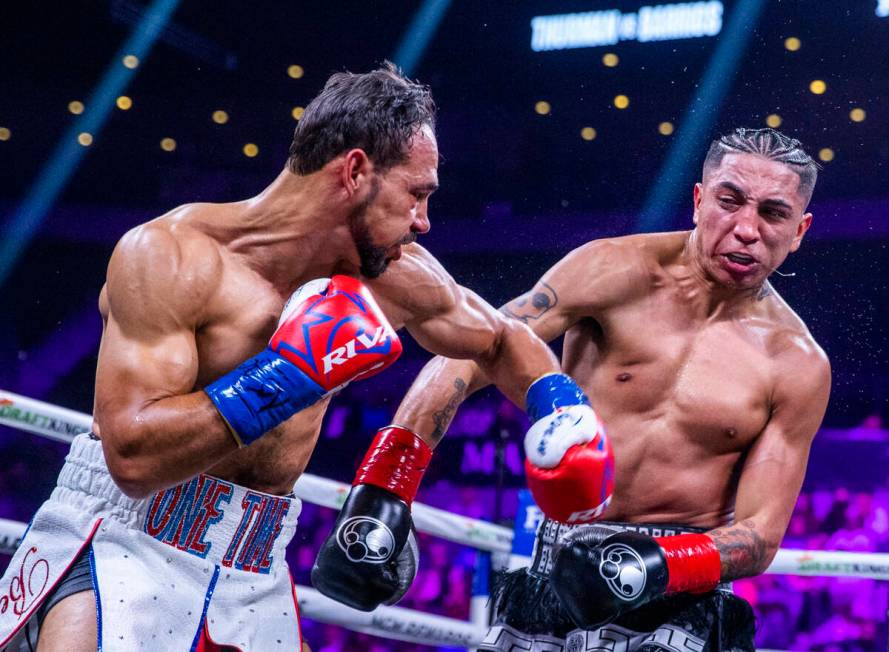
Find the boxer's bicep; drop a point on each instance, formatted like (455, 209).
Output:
(773, 472)
(464, 326)
(541, 311)
(133, 373)
(584, 284)
(146, 411)
(148, 349)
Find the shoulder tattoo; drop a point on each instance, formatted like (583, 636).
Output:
(532, 305)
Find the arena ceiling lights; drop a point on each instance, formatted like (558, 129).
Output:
(651, 23)
(882, 8)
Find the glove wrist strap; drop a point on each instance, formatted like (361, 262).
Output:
(693, 563)
(262, 392)
(395, 462)
(551, 392)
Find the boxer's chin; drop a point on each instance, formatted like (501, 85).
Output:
(373, 260)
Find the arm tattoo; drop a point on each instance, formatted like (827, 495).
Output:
(442, 418)
(742, 551)
(525, 310)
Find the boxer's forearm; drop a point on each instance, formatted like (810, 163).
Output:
(432, 401)
(516, 360)
(166, 442)
(519, 359)
(743, 550)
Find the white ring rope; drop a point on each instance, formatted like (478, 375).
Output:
(396, 622)
(63, 424)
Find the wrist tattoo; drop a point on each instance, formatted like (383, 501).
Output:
(532, 305)
(742, 551)
(442, 418)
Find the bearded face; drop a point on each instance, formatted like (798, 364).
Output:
(372, 256)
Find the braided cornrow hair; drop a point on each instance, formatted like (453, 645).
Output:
(770, 144)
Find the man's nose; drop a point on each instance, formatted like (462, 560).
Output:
(421, 219)
(747, 225)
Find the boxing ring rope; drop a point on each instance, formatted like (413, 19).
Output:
(399, 623)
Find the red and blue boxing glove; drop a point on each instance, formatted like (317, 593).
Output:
(331, 332)
(569, 464)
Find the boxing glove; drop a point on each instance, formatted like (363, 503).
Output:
(598, 580)
(569, 464)
(371, 556)
(330, 332)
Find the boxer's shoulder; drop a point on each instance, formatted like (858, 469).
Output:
(797, 355)
(787, 334)
(169, 263)
(634, 255)
(182, 236)
(605, 272)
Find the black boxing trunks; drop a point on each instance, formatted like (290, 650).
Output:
(78, 578)
(529, 616)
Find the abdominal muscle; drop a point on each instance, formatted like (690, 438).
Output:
(274, 463)
(661, 476)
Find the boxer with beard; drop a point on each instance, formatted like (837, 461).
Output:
(227, 330)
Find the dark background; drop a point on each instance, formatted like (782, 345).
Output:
(518, 191)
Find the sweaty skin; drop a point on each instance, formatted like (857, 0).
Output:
(194, 293)
(710, 387)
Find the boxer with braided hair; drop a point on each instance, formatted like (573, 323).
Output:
(710, 389)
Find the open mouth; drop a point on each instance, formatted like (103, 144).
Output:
(741, 259)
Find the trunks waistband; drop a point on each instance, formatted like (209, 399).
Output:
(549, 532)
(210, 518)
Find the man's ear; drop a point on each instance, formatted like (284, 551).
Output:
(697, 196)
(356, 171)
(801, 229)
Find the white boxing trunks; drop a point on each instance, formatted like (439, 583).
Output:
(199, 566)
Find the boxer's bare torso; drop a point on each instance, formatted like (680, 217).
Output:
(235, 313)
(711, 389)
(684, 387)
(226, 313)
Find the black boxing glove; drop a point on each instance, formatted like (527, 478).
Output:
(598, 580)
(371, 556)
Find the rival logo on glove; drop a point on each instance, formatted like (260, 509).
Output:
(623, 570)
(343, 353)
(365, 539)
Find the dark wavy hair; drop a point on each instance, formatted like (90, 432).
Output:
(770, 144)
(379, 112)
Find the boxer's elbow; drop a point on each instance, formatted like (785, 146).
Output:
(740, 563)
(522, 351)
(770, 546)
(130, 480)
(747, 549)
(128, 462)
(768, 534)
